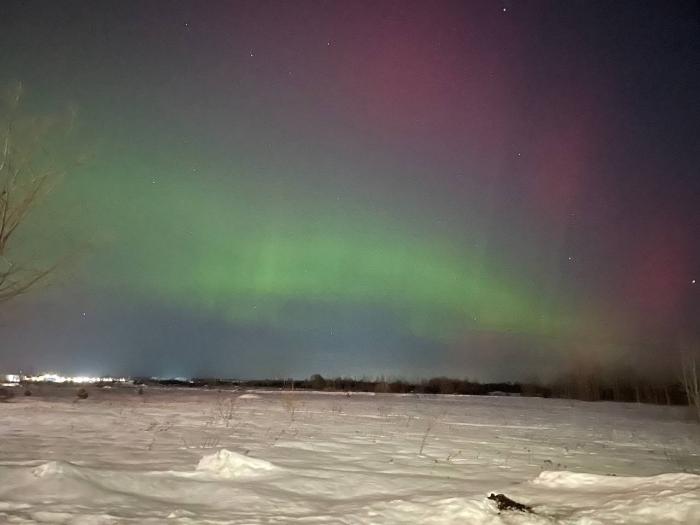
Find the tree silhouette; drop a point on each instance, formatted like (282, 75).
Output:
(25, 178)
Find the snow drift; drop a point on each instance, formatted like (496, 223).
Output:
(225, 464)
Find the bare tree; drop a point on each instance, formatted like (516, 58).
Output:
(690, 380)
(25, 178)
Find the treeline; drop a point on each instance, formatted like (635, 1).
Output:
(579, 385)
(623, 385)
(436, 385)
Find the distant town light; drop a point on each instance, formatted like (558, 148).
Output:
(56, 378)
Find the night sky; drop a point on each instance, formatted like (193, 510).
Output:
(492, 189)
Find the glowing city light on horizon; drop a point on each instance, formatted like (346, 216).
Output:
(51, 377)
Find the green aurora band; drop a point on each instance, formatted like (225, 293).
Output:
(259, 255)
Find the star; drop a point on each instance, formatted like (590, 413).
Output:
(692, 282)
(251, 53)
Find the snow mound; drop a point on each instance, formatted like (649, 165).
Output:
(225, 464)
(249, 396)
(52, 469)
(665, 498)
(598, 483)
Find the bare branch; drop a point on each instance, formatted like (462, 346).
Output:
(24, 181)
(691, 380)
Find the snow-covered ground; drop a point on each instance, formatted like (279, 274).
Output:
(208, 457)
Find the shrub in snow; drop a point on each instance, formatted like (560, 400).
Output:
(503, 502)
(82, 393)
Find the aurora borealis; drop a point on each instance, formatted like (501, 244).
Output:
(399, 188)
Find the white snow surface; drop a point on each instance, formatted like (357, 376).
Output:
(184, 456)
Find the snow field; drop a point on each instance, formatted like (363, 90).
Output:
(206, 457)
